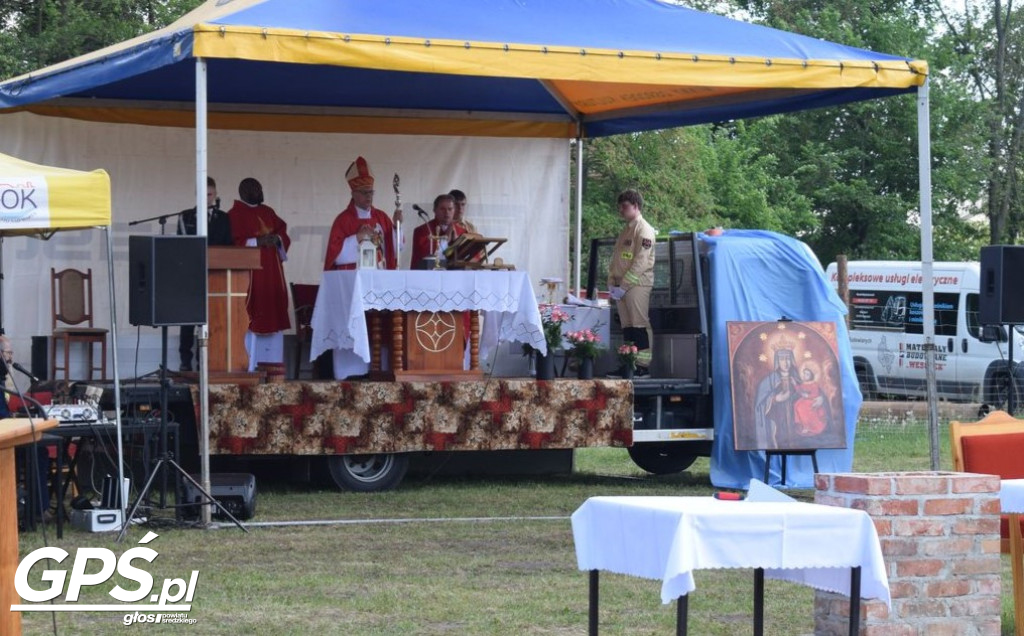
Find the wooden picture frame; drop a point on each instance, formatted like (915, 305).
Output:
(787, 392)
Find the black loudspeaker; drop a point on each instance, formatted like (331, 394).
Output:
(1001, 301)
(166, 280)
(235, 491)
(41, 357)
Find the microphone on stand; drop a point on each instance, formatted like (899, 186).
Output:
(421, 212)
(28, 373)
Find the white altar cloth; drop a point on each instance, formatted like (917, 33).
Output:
(505, 299)
(1011, 496)
(667, 538)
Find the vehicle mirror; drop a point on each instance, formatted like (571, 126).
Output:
(992, 333)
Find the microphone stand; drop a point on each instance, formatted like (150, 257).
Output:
(162, 219)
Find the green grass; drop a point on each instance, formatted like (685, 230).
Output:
(505, 576)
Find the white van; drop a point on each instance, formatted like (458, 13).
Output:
(887, 338)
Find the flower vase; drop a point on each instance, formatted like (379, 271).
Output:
(627, 372)
(586, 371)
(545, 366)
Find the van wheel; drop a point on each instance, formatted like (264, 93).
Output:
(997, 392)
(662, 459)
(866, 379)
(367, 473)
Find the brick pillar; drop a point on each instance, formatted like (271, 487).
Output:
(939, 534)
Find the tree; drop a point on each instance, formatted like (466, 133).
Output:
(986, 41)
(38, 33)
(693, 179)
(858, 163)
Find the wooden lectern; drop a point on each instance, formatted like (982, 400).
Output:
(471, 251)
(229, 270)
(13, 432)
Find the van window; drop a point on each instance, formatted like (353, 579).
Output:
(901, 311)
(971, 310)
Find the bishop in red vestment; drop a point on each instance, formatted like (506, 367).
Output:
(256, 224)
(360, 219)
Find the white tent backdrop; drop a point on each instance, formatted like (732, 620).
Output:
(517, 189)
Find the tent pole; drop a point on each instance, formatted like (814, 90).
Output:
(204, 329)
(122, 503)
(579, 210)
(924, 145)
(2, 332)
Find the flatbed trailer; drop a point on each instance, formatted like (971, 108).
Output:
(366, 430)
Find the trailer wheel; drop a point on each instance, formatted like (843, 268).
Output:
(662, 459)
(367, 473)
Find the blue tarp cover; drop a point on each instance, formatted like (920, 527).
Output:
(763, 276)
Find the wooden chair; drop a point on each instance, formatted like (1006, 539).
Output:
(303, 300)
(72, 312)
(992, 446)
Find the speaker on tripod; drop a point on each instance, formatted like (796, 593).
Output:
(167, 286)
(166, 280)
(1001, 299)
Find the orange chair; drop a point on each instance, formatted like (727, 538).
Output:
(303, 300)
(71, 305)
(991, 446)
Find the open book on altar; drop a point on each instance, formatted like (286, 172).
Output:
(471, 251)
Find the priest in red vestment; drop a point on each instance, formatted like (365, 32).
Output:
(254, 224)
(361, 220)
(437, 234)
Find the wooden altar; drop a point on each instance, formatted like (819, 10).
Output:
(13, 432)
(449, 313)
(425, 345)
(229, 271)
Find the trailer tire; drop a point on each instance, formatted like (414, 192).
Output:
(662, 459)
(367, 473)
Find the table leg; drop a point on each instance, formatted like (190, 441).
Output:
(59, 488)
(682, 614)
(592, 615)
(397, 340)
(10, 622)
(72, 466)
(1017, 567)
(759, 601)
(474, 340)
(375, 340)
(855, 601)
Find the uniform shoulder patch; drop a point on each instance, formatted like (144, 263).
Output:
(646, 243)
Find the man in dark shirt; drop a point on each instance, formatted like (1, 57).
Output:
(218, 232)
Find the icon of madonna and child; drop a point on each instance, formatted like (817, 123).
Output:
(786, 387)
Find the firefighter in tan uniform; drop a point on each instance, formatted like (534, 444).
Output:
(631, 276)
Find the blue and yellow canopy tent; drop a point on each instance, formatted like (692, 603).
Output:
(560, 68)
(39, 200)
(573, 69)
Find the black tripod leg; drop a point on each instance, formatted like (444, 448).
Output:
(208, 496)
(139, 500)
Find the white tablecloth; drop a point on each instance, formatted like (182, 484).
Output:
(1011, 496)
(505, 299)
(668, 538)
